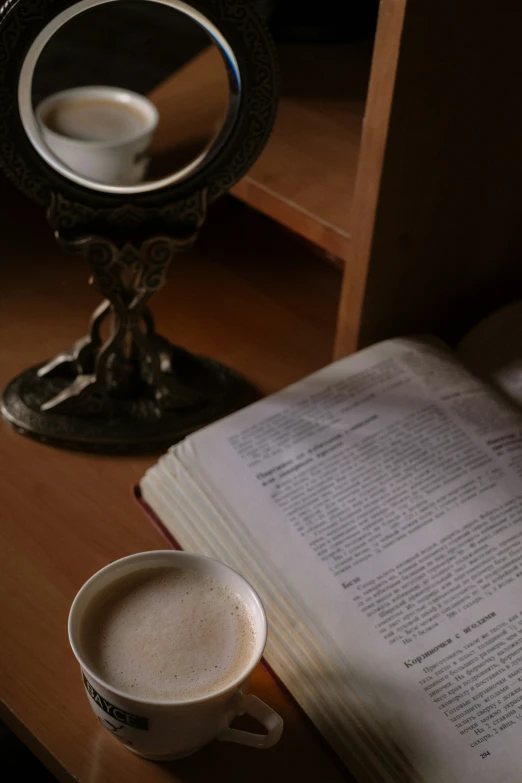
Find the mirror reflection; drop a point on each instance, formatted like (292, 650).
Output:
(131, 92)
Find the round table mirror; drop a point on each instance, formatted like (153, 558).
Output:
(129, 112)
(125, 119)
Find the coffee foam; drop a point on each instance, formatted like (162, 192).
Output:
(95, 119)
(169, 634)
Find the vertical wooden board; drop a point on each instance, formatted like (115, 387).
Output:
(447, 236)
(368, 177)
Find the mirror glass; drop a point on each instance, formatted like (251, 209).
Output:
(129, 96)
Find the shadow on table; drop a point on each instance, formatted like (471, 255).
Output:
(18, 763)
(301, 754)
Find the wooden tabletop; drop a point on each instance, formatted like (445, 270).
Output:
(265, 306)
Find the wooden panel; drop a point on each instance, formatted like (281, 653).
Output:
(436, 240)
(267, 308)
(305, 177)
(369, 170)
(191, 105)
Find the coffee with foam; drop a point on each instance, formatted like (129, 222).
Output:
(96, 119)
(168, 634)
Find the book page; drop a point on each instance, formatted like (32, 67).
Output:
(296, 657)
(493, 350)
(385, 490)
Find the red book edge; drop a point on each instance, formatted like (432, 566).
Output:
(158, 524)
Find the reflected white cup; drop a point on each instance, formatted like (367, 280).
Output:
(115, 160)
(164, 730)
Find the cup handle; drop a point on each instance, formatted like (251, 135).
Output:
(266, 716)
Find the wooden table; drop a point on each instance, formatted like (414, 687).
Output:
(268, 308)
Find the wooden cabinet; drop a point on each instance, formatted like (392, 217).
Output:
(403, 157)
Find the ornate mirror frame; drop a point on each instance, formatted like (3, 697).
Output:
(75, 206)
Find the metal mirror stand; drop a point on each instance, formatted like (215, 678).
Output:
(133, 391)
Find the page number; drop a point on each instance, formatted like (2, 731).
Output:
(486, 753)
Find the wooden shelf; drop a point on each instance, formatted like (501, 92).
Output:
(305, 177)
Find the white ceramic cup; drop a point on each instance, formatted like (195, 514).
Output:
(114, 161)
(164, 730)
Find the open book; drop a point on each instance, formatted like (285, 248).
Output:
(377, 508)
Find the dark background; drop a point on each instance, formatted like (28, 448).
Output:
(137, 45)
(131, 44)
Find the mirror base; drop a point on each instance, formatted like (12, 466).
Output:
(136, 424)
